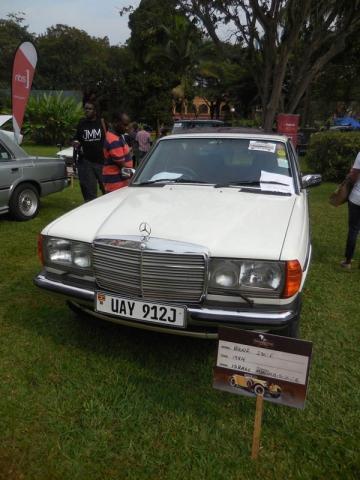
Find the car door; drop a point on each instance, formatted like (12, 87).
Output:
(10, 172)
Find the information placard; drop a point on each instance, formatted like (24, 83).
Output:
(252, 363)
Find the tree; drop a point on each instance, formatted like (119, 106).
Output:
(180, 51)
(279, 34)
(152, 78)
(224, 78)
(341, 77)
(70, 58)
(12, 33)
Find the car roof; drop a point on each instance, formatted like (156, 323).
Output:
(228, 132)
(11, 145)
(4, 119)
(195, 120)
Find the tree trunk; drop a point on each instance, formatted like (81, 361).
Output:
(277, 84)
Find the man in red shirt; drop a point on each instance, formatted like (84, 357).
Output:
(117, 153)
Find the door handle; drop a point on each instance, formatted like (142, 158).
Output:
(14, 169)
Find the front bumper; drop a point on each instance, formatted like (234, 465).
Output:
(202, 320)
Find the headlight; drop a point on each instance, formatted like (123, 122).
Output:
(225, 275)
(66, 252)
(251, 276)
(260, 275)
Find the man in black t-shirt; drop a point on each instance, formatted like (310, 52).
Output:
(89, 141)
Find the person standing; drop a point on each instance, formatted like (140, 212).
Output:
(143, 139)
(89, 141)
(134, 128)
(354, 213)
(117, 154)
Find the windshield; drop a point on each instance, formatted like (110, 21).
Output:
(220, 161)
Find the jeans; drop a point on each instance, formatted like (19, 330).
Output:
(90, 175)
(354, 228)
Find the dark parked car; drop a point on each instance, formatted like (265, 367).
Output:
(24, 179)
(181, 125)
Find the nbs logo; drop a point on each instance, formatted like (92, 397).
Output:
(23, 78)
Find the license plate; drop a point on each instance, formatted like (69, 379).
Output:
(138, 310)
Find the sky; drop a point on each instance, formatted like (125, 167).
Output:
(99, 18)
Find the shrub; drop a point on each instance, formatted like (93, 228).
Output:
(246, 123)
(51, 119)
(333, 153)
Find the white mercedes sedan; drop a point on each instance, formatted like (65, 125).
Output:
(213, 230)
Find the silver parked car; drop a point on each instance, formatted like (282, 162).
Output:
(24, 179)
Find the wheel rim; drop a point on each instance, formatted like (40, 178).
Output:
(28, 203)
(259, 390)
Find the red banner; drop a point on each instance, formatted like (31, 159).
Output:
(22, 76)
(288, 124)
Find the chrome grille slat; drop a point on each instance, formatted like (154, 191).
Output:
(150, 275)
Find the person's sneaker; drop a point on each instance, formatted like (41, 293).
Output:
(345, 264)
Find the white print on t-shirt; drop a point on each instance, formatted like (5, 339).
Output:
(92, 135)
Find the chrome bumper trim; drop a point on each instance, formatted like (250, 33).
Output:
(248, 317)
(271, 318)
(67, 290)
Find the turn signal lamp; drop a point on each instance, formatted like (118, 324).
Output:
(293, 275)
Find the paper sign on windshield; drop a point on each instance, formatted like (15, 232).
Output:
(262, 146)
(276, 182)
(251, 363)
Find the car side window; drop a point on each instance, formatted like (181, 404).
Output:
(4, 154)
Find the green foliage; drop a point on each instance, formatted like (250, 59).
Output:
(247, 122)
(51, 119)
(69, 58)
(333, 153)
(162, 43)
(224, 77)
(12, 33)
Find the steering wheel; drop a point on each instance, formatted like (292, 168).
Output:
(187, 172)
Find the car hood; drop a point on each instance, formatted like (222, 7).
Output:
(66, 152)
(228, 222)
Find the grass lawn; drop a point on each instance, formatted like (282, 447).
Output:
(86, 400)
(40, 150)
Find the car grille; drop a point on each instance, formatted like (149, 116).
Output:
(149, 275)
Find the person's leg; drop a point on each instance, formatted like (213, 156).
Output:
(98, 173)
(88, 180)
(354, 228)
(141, 155)
(81, 169)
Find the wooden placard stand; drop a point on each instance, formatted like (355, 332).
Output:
(257, 426)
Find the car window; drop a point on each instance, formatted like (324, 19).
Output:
(4, 153)
(215, 161)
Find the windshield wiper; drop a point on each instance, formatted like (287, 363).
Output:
(168, 180)
(248, 183)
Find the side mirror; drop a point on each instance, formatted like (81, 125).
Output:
(127, 172)
(311, 180)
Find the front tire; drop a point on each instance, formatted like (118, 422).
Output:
(292, 330)
(25, 202)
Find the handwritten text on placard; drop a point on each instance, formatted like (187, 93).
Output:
(289, 367)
